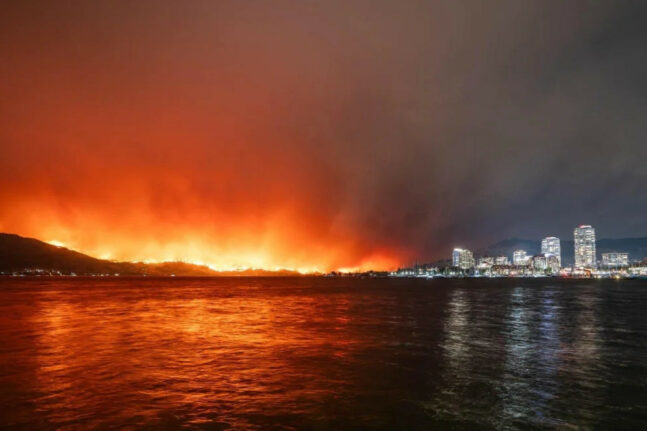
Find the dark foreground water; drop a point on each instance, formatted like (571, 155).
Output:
(313, 353)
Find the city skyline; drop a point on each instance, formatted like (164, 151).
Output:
(548, 263)
(549, 259)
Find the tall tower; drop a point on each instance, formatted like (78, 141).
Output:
(463, 258)
(550, 246)
(584, 244)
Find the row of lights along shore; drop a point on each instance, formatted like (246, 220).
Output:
(547, 263)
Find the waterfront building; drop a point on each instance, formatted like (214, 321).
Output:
(584, 245)
(463, 258)
(520, 257)
(456, 256)
(615, 260)
(543, 264)
(486, 262)
(638, 271)
(501, 260)
(501, 271)
(539, 263)
(550, 246)
(553, 264)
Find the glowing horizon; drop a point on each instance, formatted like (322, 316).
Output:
(204, 252)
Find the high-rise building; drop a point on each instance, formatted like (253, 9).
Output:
(520, 257)
(550, 246)
(463, 258)
(456, 256)
(615, 259)
(584, 245)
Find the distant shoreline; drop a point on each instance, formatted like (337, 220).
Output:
(361, 276)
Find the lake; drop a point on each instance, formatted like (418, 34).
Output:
(317, 353)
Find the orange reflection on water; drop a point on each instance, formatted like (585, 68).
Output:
(195, 356)
(317, 353)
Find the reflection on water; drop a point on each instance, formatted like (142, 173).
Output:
(312, 353)
(516, 385)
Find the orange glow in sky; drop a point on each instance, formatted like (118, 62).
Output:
(154, 136)
(184, 227)
(207, 217)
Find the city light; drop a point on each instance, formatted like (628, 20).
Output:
(548, 263)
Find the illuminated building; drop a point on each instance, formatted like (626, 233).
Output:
(486, 262)
(463, 258)
(553, 263)
(539, 263)
(550, 246)
(501, 260)
(584, 245)
(520, 257)
(615, 259)
(545, 264)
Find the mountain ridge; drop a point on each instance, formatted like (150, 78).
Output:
(21, 254)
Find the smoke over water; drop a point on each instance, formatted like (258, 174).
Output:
(318, 136)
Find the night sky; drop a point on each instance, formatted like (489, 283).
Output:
(320, 135)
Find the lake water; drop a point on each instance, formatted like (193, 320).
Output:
(320, 354)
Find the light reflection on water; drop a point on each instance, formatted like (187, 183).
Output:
(312, 353)
(516, 384)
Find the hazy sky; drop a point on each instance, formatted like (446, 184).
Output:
(320, 134)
